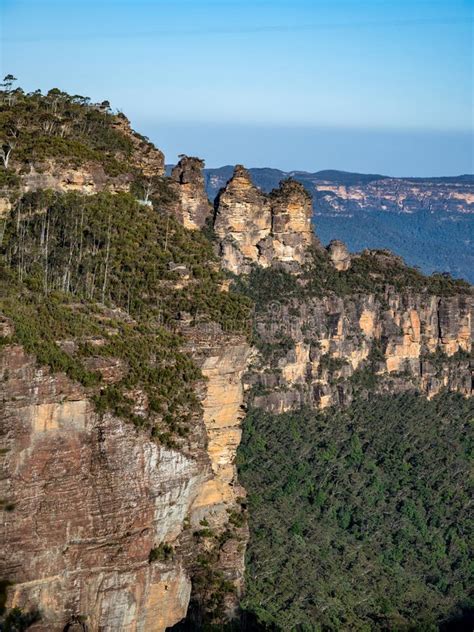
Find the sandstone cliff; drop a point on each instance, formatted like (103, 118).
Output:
(110, 522)
(255, 228)
(119, 492)
(91, 176)
(193, 207)
(89, 498)
(333, 343)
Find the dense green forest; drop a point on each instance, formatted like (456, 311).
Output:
(360, 518)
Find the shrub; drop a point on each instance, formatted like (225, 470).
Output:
(161, 553)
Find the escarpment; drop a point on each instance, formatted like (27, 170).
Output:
(84, 169)
(323, 351)
(122, 353)
(65, 143)
(90, 499)
(102, 523)
(126, 367)
(338, 324)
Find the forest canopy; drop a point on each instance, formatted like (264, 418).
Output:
(359, 518)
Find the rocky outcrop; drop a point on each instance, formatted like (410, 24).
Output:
(193, 207)
(86, 498)
(5, 207)
(88, 178)
(145, 157)
(339, 255)
(335, 344)
(254, 228)
(91, 176)
(242, 222)
(223, 359)
(292, 232)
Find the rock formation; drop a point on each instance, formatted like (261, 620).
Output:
(145, 157)
(88, 178)
(263, 229)
(193, 207)
(407, 340)
(104, 528)
(242, 221)
(291, 232)
(89, 174)
(339, 255)
(88, 497)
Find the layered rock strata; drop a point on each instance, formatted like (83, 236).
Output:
(193, 207)
(89, 176)
(254, 228)
(223, 359)
(87, 497)
(407, 340)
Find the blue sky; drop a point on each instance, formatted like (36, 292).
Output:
(378, 85)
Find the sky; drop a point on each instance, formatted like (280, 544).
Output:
(372, 86)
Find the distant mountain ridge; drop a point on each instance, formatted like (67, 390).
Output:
(428, 221)
(331, 175)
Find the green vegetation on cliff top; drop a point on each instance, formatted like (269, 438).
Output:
(106, 268)
(68, 129)
(371, 272)
(358, 517)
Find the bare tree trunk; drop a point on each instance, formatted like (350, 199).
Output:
(81, 233)
(46, 246)
(2, 230)
(5, 154)
(107, 254)
(166, 237)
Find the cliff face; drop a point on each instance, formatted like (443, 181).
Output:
(105, 528)
(88, 178)
(256, 228)
(89, 497)
(315, 351)
(397, 195)
(66, 163)
(407, 340)
(218, 505)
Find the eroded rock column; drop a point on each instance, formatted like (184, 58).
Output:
(193, 207)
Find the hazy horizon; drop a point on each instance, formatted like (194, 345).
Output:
(423, 154)
(364, 85)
